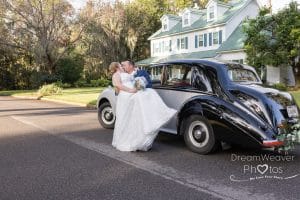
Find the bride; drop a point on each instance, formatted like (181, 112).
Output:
(139, 114)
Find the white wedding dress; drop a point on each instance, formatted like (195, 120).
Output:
(139, 116)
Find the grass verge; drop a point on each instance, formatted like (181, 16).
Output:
(87, 96)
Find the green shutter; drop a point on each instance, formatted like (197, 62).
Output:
(178, 44)
(196, 41)
(170, 45)
(186, 42)
(220, 37)
(205, 40)
(210, 39)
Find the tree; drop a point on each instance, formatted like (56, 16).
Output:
(274, 39)
(41, 28)
(104, 37)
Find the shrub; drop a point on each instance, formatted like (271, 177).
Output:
(63, 85)
(93, 83)
(39, 79)
(69, 69)
(280, 86)
(81, 83)
(100, 83)
(48, 90)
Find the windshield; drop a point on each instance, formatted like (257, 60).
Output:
(242, 75)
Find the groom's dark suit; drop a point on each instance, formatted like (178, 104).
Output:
(145, 74)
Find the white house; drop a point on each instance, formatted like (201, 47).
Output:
(213, 32)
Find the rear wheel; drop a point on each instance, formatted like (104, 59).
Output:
(199, 136)
(106, 116)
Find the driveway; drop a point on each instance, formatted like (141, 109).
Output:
(56, 151)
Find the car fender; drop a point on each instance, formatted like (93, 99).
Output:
(108, 95)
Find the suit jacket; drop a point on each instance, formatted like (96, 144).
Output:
(144, 73)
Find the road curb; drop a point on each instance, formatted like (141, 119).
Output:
(94, 107)
(26, 97)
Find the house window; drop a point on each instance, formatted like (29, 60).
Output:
(216, 38)
(159, 47)
(166, 46)
(211, 12)
(156, 48)
(165, 27)
(184, 43)
(201, 40)
(165, 24)
(186, 21)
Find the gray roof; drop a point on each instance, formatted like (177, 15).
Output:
(186, 56)
(172, 16)
(202, 23)
(235, 41)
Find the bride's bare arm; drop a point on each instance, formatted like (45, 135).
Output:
(118, 84)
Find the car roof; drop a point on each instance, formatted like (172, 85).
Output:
(198, 61)
(211, 62)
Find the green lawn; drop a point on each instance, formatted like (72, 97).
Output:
(31, 93)
(79, 95)
(296, 95)
(86, 96)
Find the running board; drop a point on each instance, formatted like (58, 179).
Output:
(168, 130)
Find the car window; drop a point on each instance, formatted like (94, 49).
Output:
(156, 74)
(177, 75)
(186, 76)
(238, 74)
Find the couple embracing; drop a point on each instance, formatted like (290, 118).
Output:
(140, 112)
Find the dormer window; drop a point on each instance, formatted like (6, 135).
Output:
(211, 12)
(186, 19)
(165, 24)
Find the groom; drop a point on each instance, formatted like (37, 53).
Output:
(130, 68)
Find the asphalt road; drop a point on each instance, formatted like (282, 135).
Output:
(57, 151)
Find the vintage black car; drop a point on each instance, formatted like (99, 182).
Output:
(216, 102)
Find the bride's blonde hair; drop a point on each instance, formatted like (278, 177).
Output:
(113, 67)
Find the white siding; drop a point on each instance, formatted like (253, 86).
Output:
(214, 4)
(238, 55)
(273, 75)
(191, 42)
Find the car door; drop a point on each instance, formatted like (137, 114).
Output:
(177, 84)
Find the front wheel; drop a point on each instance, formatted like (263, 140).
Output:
(199, 136)
(106, 117)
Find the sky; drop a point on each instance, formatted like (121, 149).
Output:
(77, 4)
(277, 4)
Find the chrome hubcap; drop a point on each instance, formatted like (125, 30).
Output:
(198, 133)
(107, 116)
